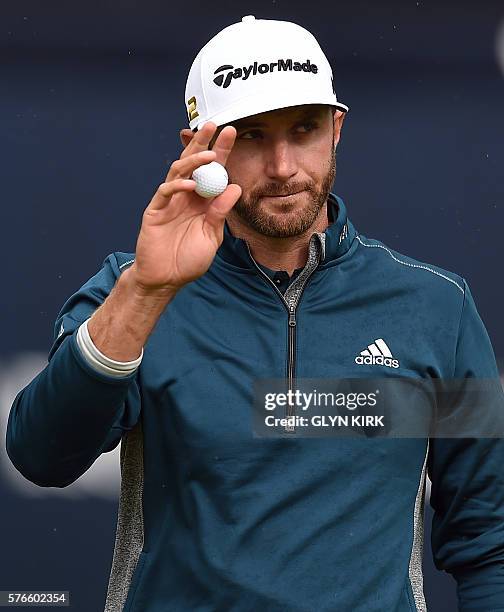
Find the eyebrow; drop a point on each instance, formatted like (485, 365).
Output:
(243, 123)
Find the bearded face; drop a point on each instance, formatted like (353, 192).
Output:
(285, 162)
(270, 211)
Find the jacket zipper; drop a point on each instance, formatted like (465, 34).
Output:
(290, 410)
(292, 322)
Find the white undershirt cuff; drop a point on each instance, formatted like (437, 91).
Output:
(101, 362)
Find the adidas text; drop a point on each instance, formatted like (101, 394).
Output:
(377, 360)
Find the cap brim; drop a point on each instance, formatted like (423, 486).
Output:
(259, 103)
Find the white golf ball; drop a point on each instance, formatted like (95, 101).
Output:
(211, 179)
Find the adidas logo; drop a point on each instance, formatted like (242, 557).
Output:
(224, 80)
(61, 330)
(377, 353)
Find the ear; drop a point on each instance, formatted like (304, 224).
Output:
(339, 117)
(186, 135)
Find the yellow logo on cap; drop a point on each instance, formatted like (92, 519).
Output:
(192, 113)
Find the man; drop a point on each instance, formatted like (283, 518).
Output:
(161, 348)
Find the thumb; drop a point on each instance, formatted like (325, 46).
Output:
(219, 208)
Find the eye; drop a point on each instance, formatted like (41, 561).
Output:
(309, 125)
(301, 128)
(249, 134)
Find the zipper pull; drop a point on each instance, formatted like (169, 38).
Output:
(292, 316)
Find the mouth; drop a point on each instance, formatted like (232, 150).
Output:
(283, 197)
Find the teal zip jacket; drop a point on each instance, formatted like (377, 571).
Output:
(215, 519)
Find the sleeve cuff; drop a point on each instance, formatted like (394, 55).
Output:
(100, 362)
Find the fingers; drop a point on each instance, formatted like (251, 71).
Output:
(195, 155)
(200, 140)
(184, 167)
(224, 144)
(166, 190)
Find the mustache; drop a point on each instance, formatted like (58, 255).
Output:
(273, 189)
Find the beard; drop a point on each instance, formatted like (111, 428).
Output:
(295, 219)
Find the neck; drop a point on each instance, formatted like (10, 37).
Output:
(278, 253)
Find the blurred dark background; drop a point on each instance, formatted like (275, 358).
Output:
(92, 101)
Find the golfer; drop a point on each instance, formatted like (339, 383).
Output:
(159, 351)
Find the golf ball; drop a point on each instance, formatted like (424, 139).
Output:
(211, 179)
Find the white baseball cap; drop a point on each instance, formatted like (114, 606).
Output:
(255, 66)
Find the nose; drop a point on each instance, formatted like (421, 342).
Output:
(281, 161)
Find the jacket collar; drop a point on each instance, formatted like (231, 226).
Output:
(336, 239)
